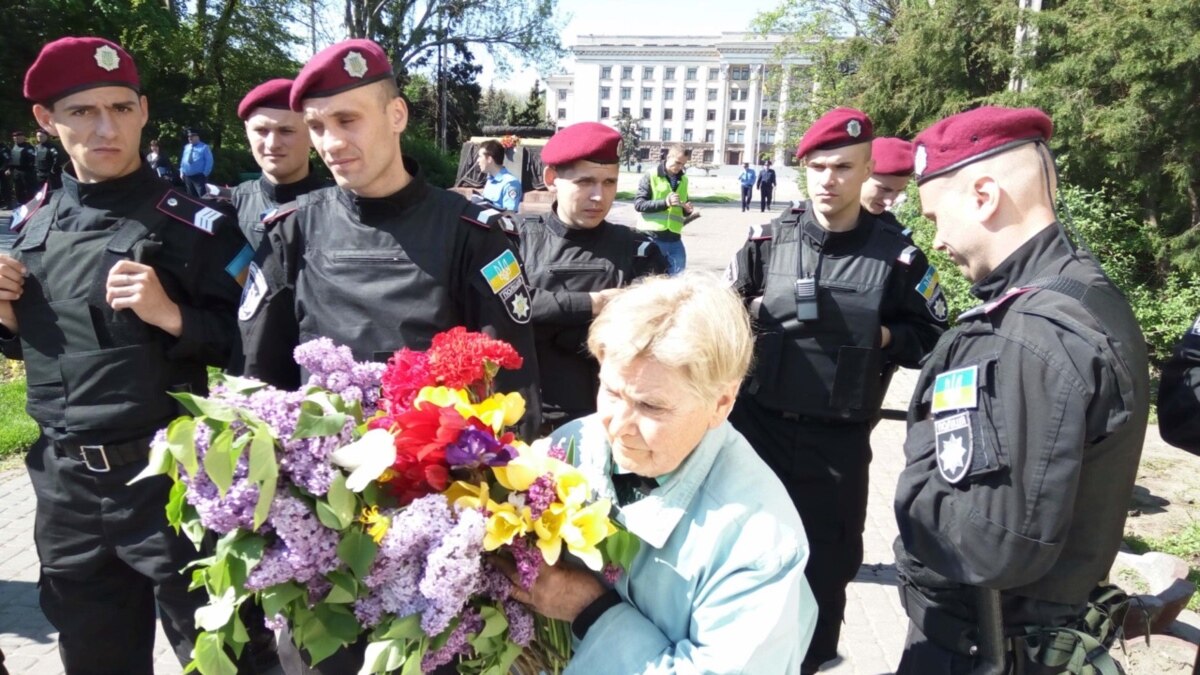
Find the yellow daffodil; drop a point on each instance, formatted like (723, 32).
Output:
(520, 473)
(586, 528)
(464, 495)
(500, 410)
(505, 523)
(549, 531)
(572, 486)
(377, 523)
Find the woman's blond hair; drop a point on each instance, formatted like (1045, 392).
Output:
(691, 322)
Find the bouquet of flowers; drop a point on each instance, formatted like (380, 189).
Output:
(370, 504)
(509, 141)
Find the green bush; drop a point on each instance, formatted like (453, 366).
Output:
(440, 168)
(17, 430)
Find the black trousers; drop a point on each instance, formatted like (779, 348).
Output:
(825, 468)
(747, 195)
(109, 560)
(923, 657)
(764, 197)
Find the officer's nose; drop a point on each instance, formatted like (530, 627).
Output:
(106, 126)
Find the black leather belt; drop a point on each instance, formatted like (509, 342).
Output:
(944, 630)
(106, 457)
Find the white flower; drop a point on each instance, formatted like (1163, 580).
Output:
(367, 458)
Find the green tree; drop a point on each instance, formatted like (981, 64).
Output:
(496, 107)
(631, 137)
(534, 112)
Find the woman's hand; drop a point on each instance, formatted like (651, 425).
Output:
(561, 591)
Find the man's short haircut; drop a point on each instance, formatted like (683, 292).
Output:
(676, 150)
(493, 149)
(388, 90)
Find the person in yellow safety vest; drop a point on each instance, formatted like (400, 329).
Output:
(663, 207)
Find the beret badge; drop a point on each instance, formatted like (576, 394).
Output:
(854, 128)
(107, 58)
(920, 160)
(355, 65)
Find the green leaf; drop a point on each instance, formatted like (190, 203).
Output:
(412, 665)
(216, 576)
(198, 405)
(211, 658)
(511, 651)
(328, 517)
(621, 548)
(275, 598)
(213, 616)
(357, 550)
(342, 501)
(330, 628)
(176, 500)
(243, 385)
(266, 495)
(494, 622)
(345, 588)
(181, 440)
(384, 657)
(316, 420)
(407, 628)
(263, 464)
(219, 461)
(160, 462)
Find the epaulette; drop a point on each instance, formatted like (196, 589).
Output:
(762, 232)
(992, 305)
(22, 215)
(489, 217)
(188, 210)
(219, 192)
(278, 213)
(906, 256)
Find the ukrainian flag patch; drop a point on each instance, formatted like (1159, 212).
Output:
(929, 284)
(501, 271)
(956, 390)
(239, 266)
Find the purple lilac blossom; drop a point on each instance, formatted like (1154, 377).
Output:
(612, 573)
(493, 584)
(333, 367)
(471, 623)
(559, 450)
(452, 572)
(541, 494)
(476, 447)
(396, 574)
(528, 559)
(520, 622)
(306, 549)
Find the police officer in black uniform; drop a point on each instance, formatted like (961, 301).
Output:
(835, 296)
(119, 290)
(20, 167)
(48, 161)
(575, 261)
(279, 141)
(889, 179)
(1179, 394)
(1027, 423)
(382, 261)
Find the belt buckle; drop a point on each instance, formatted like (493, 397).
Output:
(90, 451)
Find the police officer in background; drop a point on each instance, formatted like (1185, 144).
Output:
(1179, 394)
(1027, 423)
(835, 295)
(119, 290)
(381, 262)
(502, 189)
(48, 160)
(893, 170)
(21, 167)
(575, 261)
(279, 141)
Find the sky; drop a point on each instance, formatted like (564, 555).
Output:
(634, 17)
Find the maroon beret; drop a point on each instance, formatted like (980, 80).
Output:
(340, 67)
(592, 141)
(837, 128)
(893, 156)
(977, 134)
(269, 94)
(72, 64)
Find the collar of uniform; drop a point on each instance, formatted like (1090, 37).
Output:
(499, 175)
(559, 228)
(286, 192)
(110, 195)
(1027, 263)
(834, 243)
(368, 207)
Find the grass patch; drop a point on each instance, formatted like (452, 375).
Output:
(1184, 544)
(17, 430)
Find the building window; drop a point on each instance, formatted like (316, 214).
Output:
(689, 115)
(708, 156)
(736, 135)
(648, 73)
(562, 93)
(687, 135)
(647, 93)
(737, 115)
(668, 73)
(691, 73)
(604, 112)
(765, 114)
(711, 115)
(739, 72)
(625, 112)
(739, 94)
(689, 94)
(645, 113)
(668, 114)
(626, 72)
(605, 92)
(666, 134)
(713, 73)
(562, 113)
(709, 135)
(606, 72)
(645, 132)
(767, 137)
(712, 94)
(669, 94)
(626, 93)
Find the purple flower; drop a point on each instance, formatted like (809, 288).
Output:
(520, 622)
(528, 559)
(470, 623)
(452, 572)
(541, 494)
(612, 573)
(475, 447)
(305, 551)
(559, 450)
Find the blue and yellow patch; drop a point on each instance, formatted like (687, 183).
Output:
(501, 271)
(239, 266)
(956, 390)
(929, 284)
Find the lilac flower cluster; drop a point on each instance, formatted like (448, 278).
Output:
(333, 367)
(217, 513)
(457, 644)
(520, 622)
(528, 559)
(541, 494)
(428, 562)
(305, 550)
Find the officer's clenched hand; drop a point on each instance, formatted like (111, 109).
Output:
(135, 286)
(12, 283)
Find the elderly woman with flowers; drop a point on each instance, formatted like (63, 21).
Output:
(717, 585)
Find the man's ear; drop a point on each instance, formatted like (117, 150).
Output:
(45, 118)
(398, 114)
(985, 193)
(549, 175)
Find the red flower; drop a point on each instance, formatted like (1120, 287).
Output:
(422, 434)
(407, 372)
(458, 358)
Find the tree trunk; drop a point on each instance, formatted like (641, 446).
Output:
(220, 41)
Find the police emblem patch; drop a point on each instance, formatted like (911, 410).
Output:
(107, 58)
(854, 128)
(937, 306)
(956, 390)
(955, 446)
(253, 293)
(1196, 327)
(503, 276)
(920, 160)
(355, 65)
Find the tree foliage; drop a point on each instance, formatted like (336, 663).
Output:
(631, 137)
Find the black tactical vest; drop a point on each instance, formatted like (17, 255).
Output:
(828, 368)
(252, 206)
(91, 371)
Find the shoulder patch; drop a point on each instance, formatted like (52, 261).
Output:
(509, 226)
(906, 256)
(482, 219)
(956, 390)
(955, 446)
(504, 277)
(761, 232)
(22, 215)
(189, 211)
(278, 213)
(991, 306)
(253, 292)
(239, 266)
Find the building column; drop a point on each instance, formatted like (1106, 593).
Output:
(754, 114)
(722, 130)
(781, 136)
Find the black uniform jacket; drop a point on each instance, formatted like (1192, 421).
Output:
(376, 275)
(564, 266)
(200, 258)
(1024, 436)
(257, 199)
(1179, 394)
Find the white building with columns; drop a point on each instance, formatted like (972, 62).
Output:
(708, 93)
